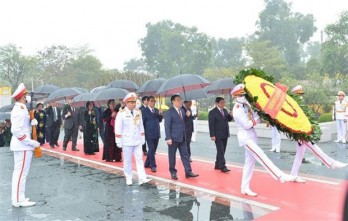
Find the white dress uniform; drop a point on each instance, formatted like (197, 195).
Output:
(22, 147)
(317, 151)
(248, 139)
(129, 132)
(276, 140)
(339, 114)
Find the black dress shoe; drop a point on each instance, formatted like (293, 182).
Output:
(119, 160)
(174, 177)
(145, 153)
(64, 148)
(52, 146)
(57, 145)
(217, 168)
(153, 169)
(75, 149)
(188, 175)
(225, 170)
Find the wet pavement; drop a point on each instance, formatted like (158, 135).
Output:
(66, 190)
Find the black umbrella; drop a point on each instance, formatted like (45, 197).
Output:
(103, 96)
(4, 116)
(63, 93)
(8, 108)
(182, 84)
(194, 95)
(150, 87)
(81, 99)
(124, 84)
(43, 91)
(97, 89)
(221, 86)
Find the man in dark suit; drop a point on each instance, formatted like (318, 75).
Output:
(151, 120)
(71, 125)
(174, 123)
(218, 119)
(188, 125)
(144, 102)
(53, 121)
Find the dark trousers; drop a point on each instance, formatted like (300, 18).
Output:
(70, 134)
(144, 148)
(221, 144)
(54, 133)
(183, 154)
(47, 134)
(151, 160)
(188, 142)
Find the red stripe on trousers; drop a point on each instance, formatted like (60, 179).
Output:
(262, 161)
(317, 154)
(19, 179)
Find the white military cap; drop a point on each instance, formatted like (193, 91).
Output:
(341, 93)
(238, 90)
(297, 90)
(130, 97)
(19, 92)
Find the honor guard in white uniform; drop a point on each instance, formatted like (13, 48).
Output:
(339, 114)
(129, 133)
(317, 151)
(246, 119)
(22, 146)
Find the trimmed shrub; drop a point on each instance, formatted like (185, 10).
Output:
(202, 115)
(326, 117)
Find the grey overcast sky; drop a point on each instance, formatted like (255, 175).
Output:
(112, 28)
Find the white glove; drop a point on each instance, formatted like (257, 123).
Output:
(34, 143)
(33, 122)
(118, 142)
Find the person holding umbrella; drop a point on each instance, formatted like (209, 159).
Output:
(144, 101)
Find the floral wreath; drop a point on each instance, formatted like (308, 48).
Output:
(294, 118)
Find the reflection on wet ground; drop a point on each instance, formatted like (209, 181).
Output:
(67, 190)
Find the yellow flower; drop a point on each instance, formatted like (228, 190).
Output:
(291, 114)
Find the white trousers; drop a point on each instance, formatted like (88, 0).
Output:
(254, 152)
(128, 151)
(317, 151)
(194, 134)
(341, 130)
(276, 141)
(22, 161)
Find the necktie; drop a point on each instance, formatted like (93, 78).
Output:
(179, 112)
(55, 117)
(222, 112)
(152, 110)
(132, 112)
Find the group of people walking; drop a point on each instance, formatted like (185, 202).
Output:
(127, 129)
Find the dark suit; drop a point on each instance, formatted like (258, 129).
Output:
(175, 130)
(188, 129)
(71, 126)
(151, 121)
(141, 108)
(219, 128)
(53, 126)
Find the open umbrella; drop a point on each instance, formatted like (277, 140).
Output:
(8, 108)
(97, 89)
(81, 90)
(103, 96)
(63, 93)
(194, 95)
(4, 116)
(221, 86)
(150, 87)
(124, 84)
(43, 91)
(81, 99)
(182, 84)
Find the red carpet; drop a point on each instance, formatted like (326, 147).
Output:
(310, 201)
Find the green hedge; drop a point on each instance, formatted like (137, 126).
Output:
(326, 117)
(202, 115)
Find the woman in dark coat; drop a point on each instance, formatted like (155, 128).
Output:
(111, 151)
(90, 130)
(40, 116)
